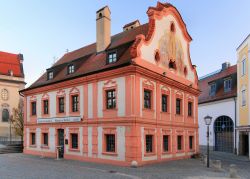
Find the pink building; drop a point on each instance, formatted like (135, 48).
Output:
(128, 97)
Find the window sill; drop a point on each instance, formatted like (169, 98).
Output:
(75, 113)
(32, 146)
(115, 109)
(44, 146)
(45, 115)
(61, 114)
(110, 153)
(166, 152)
(178, 115)
(74, 150)
(163, 112)
(149, 110)
(190, 117)
(149, 154)
(180, 151)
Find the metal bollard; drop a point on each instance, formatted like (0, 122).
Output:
(233, 171)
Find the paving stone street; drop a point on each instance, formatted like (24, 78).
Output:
(25, 166)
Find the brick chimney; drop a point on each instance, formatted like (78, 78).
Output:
(103, 29)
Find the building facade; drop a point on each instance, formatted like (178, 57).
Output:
(11, 81)
(243, 125)
(218, 99)
(130, 97)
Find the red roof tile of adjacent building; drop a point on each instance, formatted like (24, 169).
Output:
(218, 78)
(11, 62)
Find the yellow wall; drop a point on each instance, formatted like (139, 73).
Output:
(243, 81)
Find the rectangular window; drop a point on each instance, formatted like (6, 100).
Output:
(110, 142)
(74, 141)
(191, 138)
(33, 138)
(61, 104)
(190, 108)
(112, 57)
(243, 67)
(227, 85)
(243, 97)
(212, 89)
(33, 108)
(50, 75)
(46, 107)
(75, 103)
(178, 106)
(179, 142)
(149, 143)
(45, 139)
(111, 99)
(164, 103)
(147, 99)
(165, 143)
(71, 69)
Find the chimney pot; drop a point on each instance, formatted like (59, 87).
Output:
(225, 65)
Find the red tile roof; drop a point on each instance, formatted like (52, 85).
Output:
(218, 78)
(88, 61)
(11, 62)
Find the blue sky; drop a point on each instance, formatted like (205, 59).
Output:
(42, 30)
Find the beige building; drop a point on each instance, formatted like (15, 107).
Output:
(11, 81)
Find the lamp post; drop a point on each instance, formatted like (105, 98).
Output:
(208, 120)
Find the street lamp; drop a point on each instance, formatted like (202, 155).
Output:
(208, 120)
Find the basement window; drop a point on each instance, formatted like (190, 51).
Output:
(112, 57)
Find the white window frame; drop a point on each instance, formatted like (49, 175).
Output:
(243, 67)
(71, 69)
(210, 87)
(50, 75)
(227, 84)
(243, 97)
(112, 57)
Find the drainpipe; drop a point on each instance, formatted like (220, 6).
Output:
(235, 118)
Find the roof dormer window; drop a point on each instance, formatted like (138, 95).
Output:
(50, 75)
(71, 69)
(112, 57)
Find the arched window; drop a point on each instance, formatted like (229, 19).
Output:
(100, 15)
(5, 115)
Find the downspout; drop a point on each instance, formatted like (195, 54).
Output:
(235, 118)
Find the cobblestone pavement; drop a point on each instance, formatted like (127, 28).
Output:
(242, 163)
(25, 166)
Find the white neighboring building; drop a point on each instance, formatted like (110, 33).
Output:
(218, 99)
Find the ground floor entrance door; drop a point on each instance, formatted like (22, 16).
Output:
(224, 134)
(61, 142)
(244, 143)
